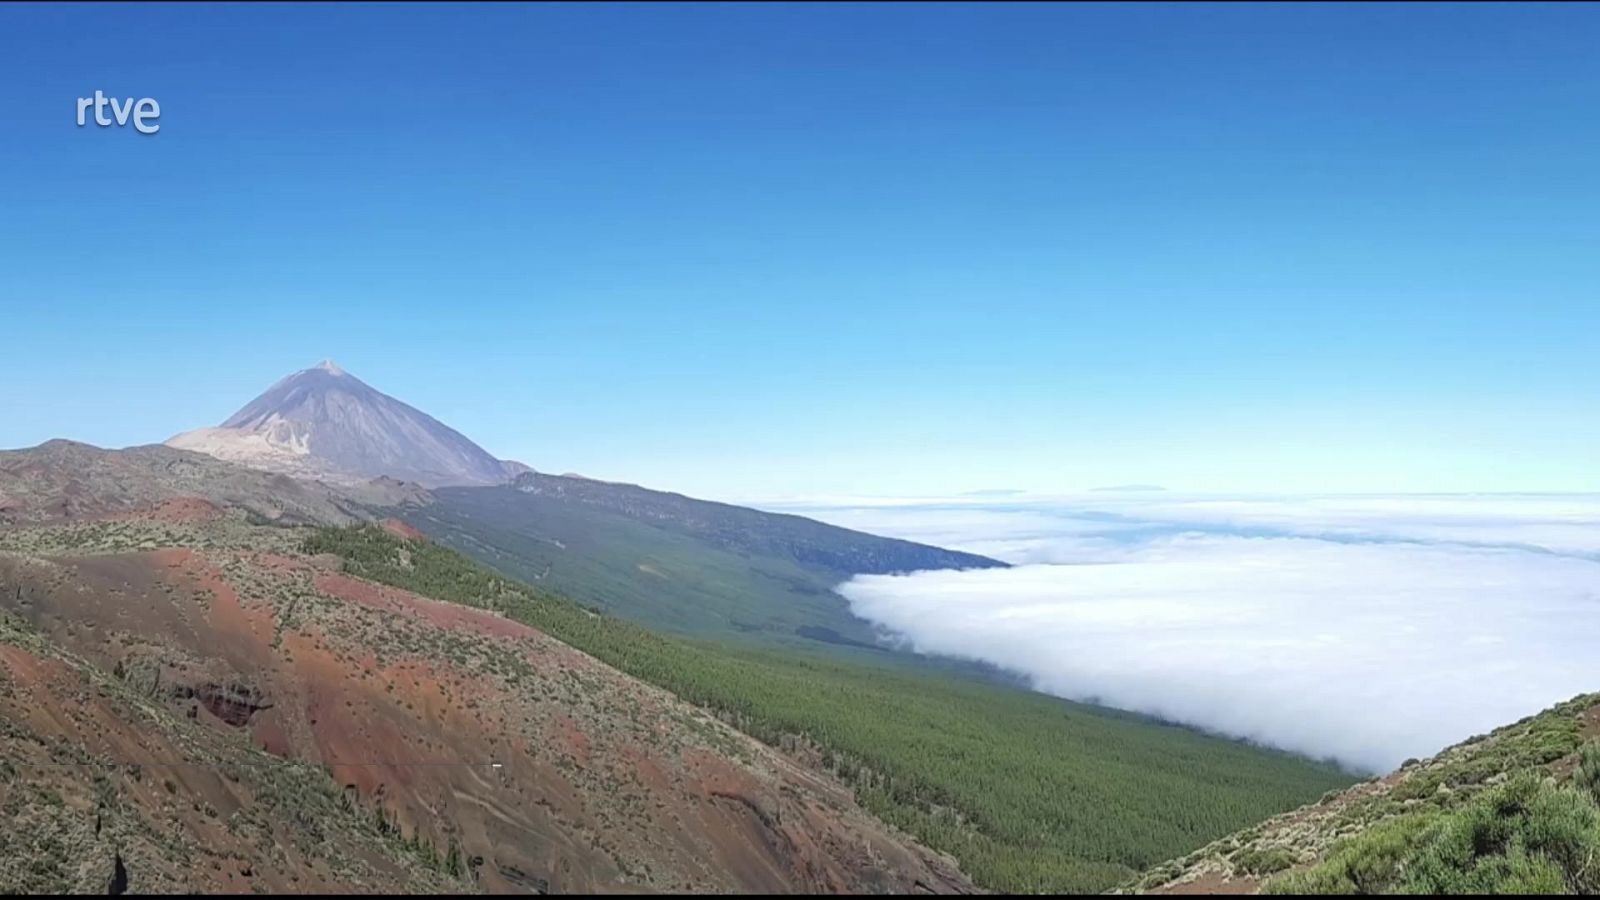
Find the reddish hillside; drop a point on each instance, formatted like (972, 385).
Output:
(548, 770)
(104, 789)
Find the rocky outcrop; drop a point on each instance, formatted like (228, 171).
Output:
(234, 703)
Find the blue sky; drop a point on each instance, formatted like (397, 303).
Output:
(766, 250)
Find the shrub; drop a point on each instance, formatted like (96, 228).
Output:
(1525, 836)
(1587, 776)
(1368, 863)
(1263, 862)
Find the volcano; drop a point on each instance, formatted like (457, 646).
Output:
(325, 423)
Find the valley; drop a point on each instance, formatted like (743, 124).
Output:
(1029, 792)
(308, 635)
(508, 681)
(860, 449)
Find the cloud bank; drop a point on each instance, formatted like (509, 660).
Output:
(1363, 629)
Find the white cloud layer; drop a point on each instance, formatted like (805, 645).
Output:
(1365, 629)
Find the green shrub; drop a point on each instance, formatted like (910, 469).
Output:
(1525, 836)
(1263, 862)
(1587, 776)
(1368, 863)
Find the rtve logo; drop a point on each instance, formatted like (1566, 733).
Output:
(141, 112)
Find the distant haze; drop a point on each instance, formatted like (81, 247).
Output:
(1368, 629)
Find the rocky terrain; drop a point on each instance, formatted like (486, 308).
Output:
(324, 423)
(193, 703)
(106, 788)
(68, 480)
(1376, 835)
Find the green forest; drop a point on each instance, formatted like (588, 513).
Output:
(671, 563)
(1029, 792)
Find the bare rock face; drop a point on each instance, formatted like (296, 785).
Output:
(234, 703)
(325, 423)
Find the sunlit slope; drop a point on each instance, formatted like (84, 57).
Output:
(325, 423)
(1513, 811)
(1029, 792)
(219, 668)
(106, 790)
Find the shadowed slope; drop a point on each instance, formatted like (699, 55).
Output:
(675, 563)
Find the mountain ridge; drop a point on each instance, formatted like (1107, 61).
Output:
(730, 524)
(62, 480)
(687, 566)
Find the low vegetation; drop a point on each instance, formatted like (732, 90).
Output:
(1513, 811)
(673, 564)
(1526, 836)
(1030, 793)
(77, 812)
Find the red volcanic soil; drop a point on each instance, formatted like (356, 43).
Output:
(184, 510)
(553, 770)
(444, 615)
(177, 511)
(174, 813)
(401, 530)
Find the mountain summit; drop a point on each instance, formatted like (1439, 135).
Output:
(323, 422)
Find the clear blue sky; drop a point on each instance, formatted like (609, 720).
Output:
(758, 250)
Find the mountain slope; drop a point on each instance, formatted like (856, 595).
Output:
(483, 745)
(67, 480)
(685, 565)
(105, 789)
(688, 566)
(1516, 810)
(1030, 792)
(325, 423)
(747, 531)
(255, 632)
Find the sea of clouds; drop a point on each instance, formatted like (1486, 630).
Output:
(1364, 629)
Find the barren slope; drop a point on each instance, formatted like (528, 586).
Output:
(460, 728)
(69, 480)
(325, 423)
(105, 788)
